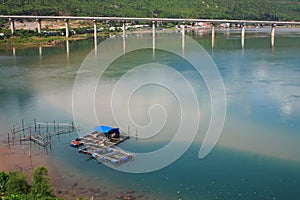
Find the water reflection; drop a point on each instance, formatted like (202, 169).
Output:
(272, 35)
(67, 49)
(243, 36)
(95, 45)
(124, 43)
(40, 52)
(272, 41)
(257, 90)
(263, 117)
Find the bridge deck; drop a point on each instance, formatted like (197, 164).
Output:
(149, 19)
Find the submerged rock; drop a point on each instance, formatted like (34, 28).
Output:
(128, 197)
(74, 184)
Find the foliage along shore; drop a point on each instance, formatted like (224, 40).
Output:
(14, 185)
(28, 38)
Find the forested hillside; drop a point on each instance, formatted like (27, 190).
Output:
(228, 9)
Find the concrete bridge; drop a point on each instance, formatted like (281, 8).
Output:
(147, 19)
(213, 22)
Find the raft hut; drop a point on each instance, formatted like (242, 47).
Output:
(112, 134)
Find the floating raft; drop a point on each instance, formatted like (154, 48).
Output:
(103, 149)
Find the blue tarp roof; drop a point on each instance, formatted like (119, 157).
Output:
(106, 129)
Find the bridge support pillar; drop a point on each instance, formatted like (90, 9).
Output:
(12, 25)
(124, 36)
(243, 35)
(243, 30)
(124, 28)
(39, 25)
(95, 29)
(273, 30)
(273, 35)
(212, 36)
(67, 27)
(95, 36)
(153, 27)
(183, 37)
(212, 30)
(183, 28)
(153, 37)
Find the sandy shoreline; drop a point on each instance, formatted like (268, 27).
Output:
(66, 184)
(16, 157)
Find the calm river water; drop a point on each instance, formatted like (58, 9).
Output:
(257, 154)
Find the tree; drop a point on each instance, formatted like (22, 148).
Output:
(14, 186)
(41, 186)
(17, 183)
(3, 181)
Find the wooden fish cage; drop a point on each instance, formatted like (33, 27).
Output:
(39, 133)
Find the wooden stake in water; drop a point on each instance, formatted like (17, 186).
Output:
(30, 147)
(50, 143)
(136, 134)
(8, 140)
(34, 125)
(54, 125)
(23, 127)
(31, 162)
(13, 133)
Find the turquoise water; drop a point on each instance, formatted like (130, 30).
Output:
(257, 155)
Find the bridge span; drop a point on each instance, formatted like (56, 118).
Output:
(213, 22)
(149, 19)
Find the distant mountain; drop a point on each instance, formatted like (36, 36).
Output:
(217, 9)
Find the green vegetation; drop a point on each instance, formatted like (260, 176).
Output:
(41, 184)
(228, 9)
(13, 185)
(28, 38)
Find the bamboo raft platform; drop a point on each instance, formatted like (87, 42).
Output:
(103, 149)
